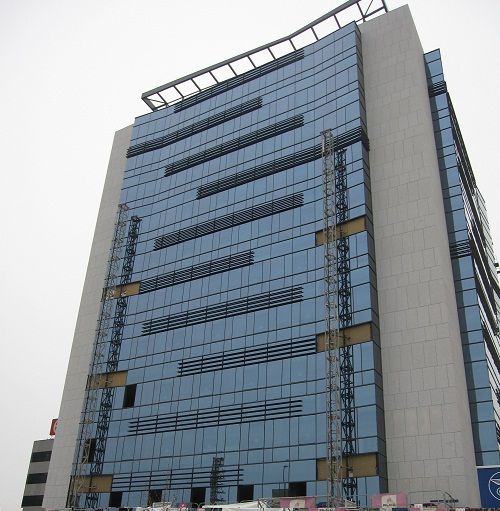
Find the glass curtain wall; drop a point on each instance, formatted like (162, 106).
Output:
(474, 269)
(224, 396)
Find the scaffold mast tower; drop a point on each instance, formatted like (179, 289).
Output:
(108, 392)
(341, 425)
(216, 480)
(332, 333)
(81, 481)
(349, 483)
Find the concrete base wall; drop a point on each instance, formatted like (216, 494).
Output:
(56, 490)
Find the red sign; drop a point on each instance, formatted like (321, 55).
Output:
(53, 427)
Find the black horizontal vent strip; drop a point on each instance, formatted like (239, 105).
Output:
(287, 162)
(224, 415)
(197, 127)
(460, 249)
(351, 137)
(236, 143)
(161, 477)
(266, 169)
(437, 88)
(223, 310)
(239, 80)
(229, 474)
(254, 355)
(204, 416)
(197, 272)
(226, 221)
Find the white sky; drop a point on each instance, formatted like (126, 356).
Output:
(72, 73)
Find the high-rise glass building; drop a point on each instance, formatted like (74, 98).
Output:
(207, 373)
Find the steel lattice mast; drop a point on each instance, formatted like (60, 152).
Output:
(332, 334)
(80, 480)
(106, 405)
(349, 483)
(216, 480)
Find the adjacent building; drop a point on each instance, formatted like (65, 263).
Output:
(207, 372)
(37, 475)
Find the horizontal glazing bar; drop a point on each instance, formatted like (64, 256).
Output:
(226, 221)
(231, 308)
(197, 127)
(234, 414)
(235, 144)
(197, 272)
(247, 356)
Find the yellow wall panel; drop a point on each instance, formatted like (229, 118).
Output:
(100, 381)
(97, 484)
(349, 336)
(363, 465)
(357, 465)
(346, 229)
(127, 289)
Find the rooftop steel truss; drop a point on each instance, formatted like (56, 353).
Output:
(189, 85)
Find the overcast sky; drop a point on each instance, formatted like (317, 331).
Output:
(72, 72)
